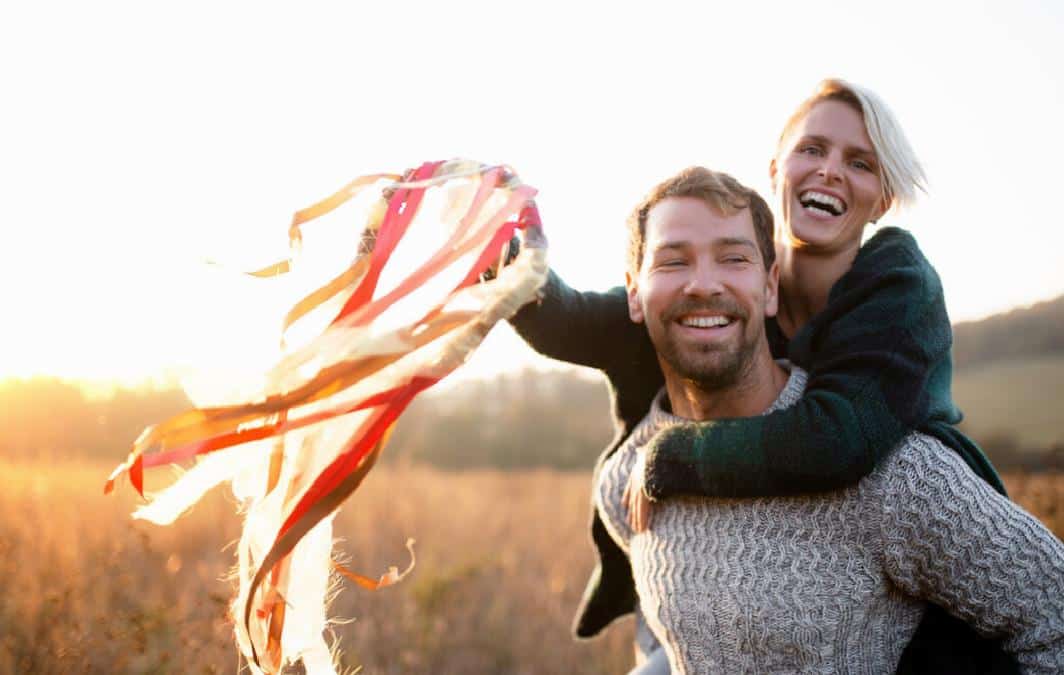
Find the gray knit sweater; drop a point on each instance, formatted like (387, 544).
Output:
(837, 582)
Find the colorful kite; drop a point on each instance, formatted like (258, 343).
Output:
(407, 311)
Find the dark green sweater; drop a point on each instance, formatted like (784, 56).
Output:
(879, 364)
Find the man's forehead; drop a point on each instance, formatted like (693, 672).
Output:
(692, 219)
(721, 242)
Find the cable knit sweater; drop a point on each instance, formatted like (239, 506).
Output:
(838, 582)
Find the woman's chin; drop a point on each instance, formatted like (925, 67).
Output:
(822, 236)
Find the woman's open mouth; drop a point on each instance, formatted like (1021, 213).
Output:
(821, 203)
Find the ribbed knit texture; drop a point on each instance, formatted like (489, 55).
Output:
(837, 582)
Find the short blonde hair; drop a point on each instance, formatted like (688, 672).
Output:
(718, 190)
(900, 171)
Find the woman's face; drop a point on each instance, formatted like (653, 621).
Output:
(827, 180)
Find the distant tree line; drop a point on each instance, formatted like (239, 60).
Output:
(557, 419)
(1032, 331)
(532, 419)
(552, 419)
(48, 419)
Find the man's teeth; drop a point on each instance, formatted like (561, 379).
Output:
(705, 321)
(825, 202)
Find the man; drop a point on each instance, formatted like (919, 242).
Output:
(833, 582)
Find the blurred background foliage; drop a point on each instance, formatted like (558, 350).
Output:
(1009, 374)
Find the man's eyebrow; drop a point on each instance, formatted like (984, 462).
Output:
(720, 241)
(672, 244)
(735, 241)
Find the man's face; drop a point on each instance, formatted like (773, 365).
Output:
(702, 291)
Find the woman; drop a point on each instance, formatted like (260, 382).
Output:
(868, 323)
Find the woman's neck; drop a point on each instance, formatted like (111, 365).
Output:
(806, 278)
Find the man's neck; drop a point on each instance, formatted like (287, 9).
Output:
(753, 392)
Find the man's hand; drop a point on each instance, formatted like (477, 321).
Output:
(635, 497)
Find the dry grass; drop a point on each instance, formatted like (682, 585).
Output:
(502, 560)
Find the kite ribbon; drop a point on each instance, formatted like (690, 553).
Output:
(377, 359)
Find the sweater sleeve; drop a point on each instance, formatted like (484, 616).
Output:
(950, 539)
(585, 328)
(872, 355)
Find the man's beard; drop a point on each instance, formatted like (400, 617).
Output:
(710, 366)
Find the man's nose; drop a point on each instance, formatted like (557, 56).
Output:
(703, 281)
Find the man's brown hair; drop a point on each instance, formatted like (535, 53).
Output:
(716, 189)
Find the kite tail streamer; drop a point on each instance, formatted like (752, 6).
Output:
(361, 343)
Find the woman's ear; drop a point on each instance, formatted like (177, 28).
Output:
(882, 206)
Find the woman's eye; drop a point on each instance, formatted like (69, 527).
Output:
(861, 164)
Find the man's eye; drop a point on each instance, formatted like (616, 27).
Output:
(810, 150)
(735, 258)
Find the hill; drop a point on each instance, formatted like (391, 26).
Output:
(1008, 377)
(1037, 330)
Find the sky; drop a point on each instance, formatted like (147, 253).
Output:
(138, 139)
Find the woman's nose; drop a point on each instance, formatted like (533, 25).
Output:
(830, 168)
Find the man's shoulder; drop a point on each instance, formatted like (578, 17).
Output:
(793, 388)
(921, 461)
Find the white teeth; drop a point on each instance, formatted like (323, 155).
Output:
(823, 199)
(705, 321)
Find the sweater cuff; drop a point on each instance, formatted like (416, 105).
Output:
(667, 477)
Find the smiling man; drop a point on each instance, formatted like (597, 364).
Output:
(702, 277)
(830, 582)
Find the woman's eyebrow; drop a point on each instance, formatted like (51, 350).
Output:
(814, 138)
(824, 140)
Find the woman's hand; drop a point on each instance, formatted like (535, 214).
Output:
(635, 497)
(532, 228)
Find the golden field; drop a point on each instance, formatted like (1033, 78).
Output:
(502, 558)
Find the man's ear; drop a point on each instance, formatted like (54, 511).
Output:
(772, 289)
(635, 305)
(772, 173)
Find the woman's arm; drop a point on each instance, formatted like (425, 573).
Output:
(586, 328)
(873, 356)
